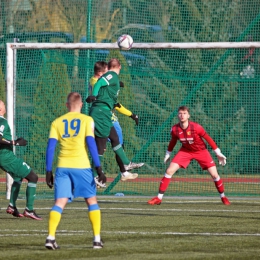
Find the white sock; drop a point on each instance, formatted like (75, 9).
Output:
(125, 173)
(217, 179)
(160, 196)
(222, 195)
(50, 237)
(97, 238)
(167, 176)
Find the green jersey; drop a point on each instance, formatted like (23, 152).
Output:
(106, 90)
(16, 167)
(5, 132)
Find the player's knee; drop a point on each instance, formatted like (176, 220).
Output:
(113, 136)
(101, 145)
(172, 169)
(32, 177)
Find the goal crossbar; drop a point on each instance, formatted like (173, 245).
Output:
(165, 45)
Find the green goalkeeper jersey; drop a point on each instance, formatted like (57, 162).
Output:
(106, 90)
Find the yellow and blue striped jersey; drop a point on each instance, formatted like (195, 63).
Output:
(71, 130)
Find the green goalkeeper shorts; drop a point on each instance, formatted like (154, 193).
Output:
(102, 119)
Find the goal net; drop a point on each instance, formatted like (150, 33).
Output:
(219, 82)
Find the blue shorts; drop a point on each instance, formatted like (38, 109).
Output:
(119, 132)
(72, 183)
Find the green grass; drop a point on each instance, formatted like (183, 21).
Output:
(180, 228)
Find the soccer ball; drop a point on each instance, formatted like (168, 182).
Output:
(125, 42)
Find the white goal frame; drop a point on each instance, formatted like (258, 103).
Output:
(11, 66)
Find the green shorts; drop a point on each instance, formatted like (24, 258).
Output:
(102, 118)
(16, 167)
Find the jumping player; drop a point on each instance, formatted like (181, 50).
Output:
(193, 147)
(104, 99)
(100, 68)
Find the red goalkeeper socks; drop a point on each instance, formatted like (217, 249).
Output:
(219, 185)
(164, 184)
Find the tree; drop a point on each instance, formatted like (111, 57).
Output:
(49, 102)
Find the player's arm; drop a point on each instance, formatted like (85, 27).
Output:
(171, 145)
(50, 150)
(92, 147)
(221, 158)
(18, 142)
(100, 83)
(49, 159)
(121, 109)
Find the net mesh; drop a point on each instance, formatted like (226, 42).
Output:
(220, 86)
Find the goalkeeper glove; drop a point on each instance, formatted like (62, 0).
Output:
(101, 180)
(49, 179)
(135, 117)
(20, 142)
(90, 99)
(221, 157)
(167, 157)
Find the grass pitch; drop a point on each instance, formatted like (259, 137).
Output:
(180, 228)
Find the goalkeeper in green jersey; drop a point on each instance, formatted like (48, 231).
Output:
(104, 100)
(17, 168)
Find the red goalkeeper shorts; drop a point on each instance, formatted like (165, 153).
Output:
(203, 157)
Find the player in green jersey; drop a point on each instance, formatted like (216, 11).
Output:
(104, 98)
(17, 168)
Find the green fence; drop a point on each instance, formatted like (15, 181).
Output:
(221, 87)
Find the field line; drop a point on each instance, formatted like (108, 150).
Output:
(155, 208)
(76, 232)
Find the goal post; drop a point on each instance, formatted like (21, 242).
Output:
(149, 69)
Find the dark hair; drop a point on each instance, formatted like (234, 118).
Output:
(113, 63)
(100, 66)
(183, 108)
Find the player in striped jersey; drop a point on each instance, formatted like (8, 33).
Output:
(193, 147)
(73, 177)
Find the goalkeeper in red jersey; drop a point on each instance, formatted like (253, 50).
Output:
(193, 147)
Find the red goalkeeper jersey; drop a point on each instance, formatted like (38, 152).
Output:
(191, 137)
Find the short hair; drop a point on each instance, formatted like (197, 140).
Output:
(100, 66)
(113, 64)
(74, 98)
(183, 108)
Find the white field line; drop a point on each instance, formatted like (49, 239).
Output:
(154, 208)
(76, 233)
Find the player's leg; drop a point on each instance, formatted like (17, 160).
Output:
(125, 175)
(62, 194)
(207, 163)
(84, 186)
(164, 183)
(15, 189)
(94, 215)
(20, 169)
(218, 183)
(118, 149)
(29, 211)
(181, 160)
(54, 220)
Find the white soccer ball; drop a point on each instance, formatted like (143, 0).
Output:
(125, 42)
